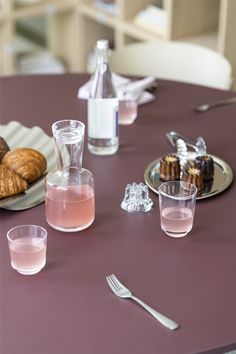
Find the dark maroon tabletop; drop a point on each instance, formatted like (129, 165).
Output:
(68, 308)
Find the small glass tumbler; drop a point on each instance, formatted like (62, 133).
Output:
(27, 246)
(177, 201)
(128, 109)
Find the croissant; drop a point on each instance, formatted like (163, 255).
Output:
(28, 163)
(4, 148)
(10, 182)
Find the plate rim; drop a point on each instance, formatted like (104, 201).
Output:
(14, 205)
(218, 160)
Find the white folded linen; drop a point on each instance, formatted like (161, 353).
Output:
(123, 86)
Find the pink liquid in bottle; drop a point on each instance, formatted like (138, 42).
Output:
(70, 208)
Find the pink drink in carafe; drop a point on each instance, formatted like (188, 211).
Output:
(71, 207)
(70, 201)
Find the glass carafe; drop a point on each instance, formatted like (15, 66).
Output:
(69, 202)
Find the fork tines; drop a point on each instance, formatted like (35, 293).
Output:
(113, 282)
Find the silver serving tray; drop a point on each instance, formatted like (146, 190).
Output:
(17, 135)
(223, 176)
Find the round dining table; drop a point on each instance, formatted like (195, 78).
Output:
(68, 307)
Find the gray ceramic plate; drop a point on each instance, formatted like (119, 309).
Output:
(17, 135)
(223, 177)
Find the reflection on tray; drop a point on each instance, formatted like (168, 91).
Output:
(223, 177)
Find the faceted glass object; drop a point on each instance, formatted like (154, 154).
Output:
(136, 198)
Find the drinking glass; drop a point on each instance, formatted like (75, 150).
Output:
(128, 108)
(27, 246)
(177, 201)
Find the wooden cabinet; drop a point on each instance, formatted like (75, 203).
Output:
(227, 32)
(14, 13)
(210, 23)
(72, 27)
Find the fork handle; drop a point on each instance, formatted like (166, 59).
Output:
(167, 322)
(222, 102)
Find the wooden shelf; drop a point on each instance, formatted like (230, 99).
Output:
(2, 14)
(49, 9)
(74, 26)
(129, 28)
(98, 16)
(208, 40)
(209, 23)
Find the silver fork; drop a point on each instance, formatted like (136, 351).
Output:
(120, 290)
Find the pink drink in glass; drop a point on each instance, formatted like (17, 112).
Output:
(127, 111)
(176, 221)
(70, 208)
(177, 201)
(28, 255)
